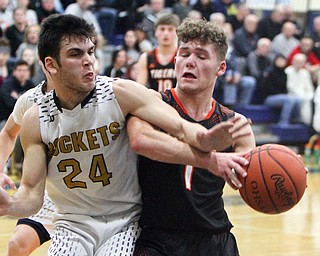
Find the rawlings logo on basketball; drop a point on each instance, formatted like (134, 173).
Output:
(282, 194)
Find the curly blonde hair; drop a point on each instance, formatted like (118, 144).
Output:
(205, 32)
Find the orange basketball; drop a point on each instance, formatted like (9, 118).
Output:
(276, 179)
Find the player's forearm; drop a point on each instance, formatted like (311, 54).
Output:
(23, 203)
(157, 145)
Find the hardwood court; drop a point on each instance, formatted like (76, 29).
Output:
(293, 233)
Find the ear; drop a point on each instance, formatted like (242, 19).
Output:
(222, 68)
(50, 65)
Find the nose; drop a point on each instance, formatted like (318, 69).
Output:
(89, 60)
(190, 61)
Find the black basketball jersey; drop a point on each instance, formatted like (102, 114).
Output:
(161, 77)
(182, 197)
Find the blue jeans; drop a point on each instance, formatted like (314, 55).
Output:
(289, 104)
(240, 94)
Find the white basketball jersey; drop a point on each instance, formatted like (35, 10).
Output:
(25, 101)
(92, 169)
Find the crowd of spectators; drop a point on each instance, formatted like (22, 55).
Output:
(255, 42)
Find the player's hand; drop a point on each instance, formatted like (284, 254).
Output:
(5, 180)
(229, 166)
(223, 135)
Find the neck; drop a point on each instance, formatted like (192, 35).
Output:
(167, 49)
(197, 104)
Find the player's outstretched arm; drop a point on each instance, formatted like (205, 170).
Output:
(28, 199)
(146, 104)
(8, 137)
(238, 133)
(152, 143)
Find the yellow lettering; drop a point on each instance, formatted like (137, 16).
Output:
(77, 142)
(103, 134)
(64, 146)
(92, 139)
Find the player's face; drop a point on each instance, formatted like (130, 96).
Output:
(76, 70)
(166, 34)
(197, 66)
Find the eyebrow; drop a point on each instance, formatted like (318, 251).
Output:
(197, 49)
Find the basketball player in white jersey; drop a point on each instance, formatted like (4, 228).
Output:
(36, 228)
(75, 140)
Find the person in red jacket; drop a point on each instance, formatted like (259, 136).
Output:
(313, 63)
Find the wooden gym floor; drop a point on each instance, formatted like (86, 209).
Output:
(294, 233)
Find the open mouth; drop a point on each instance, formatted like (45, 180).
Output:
(188, 75)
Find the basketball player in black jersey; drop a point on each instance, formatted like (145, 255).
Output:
(183, 210)
(156, 68)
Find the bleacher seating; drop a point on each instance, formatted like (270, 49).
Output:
(262, 115)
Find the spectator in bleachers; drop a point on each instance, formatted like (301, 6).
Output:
(285, 42)
(238, 89)
(236, 20)
(289, 15)
(13, 86)
(5, 68)
(245, 39)
(299, 83)
(45, 9)
(81, 8)
(30, 40)
(144, 43)
(6, 16)
(270, 25)
(132, 71)
(220, 19)
(258, 63)
(315, 35)
(131, 46)
(195, 15)
(118, 67)
(275, 93)
(15, 33)
(59, 5)
(306, 47)
(181, 8)
(204, 7)
(36, 73)
(31, 14)
(150, 15)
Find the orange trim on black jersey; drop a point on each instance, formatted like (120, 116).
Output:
(214, 103)
(178, 101)
(213, 107)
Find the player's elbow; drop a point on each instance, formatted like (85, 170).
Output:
(137, 143)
